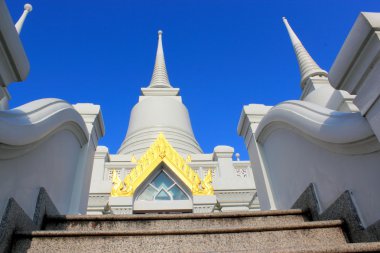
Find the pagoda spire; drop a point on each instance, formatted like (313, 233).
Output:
(160, 77)
(308, 67)
(27, 8)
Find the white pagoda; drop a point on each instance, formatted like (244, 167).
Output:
(160, 166)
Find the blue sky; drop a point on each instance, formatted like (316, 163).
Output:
(221, 54)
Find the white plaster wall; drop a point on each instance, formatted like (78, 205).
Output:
(232, 180)
(291, 170)
(297, 143)
(264, 192)
(52, 165)
(92, 116)
(47, 143)
(249, 121)
(98, 184)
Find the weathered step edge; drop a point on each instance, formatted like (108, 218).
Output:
(119, 217)
(299, 226)
(344, 208)
(15, 219)
(344, 248)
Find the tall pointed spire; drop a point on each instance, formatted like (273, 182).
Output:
(27, 8)
(160, 77)
(308, 67)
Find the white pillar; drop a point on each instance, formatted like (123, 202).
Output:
(94, 121)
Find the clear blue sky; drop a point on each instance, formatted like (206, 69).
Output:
(221, 54)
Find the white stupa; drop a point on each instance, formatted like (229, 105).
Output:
(159, 110)
(160, 166)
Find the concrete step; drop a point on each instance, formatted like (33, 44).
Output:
(172, 221)
(346, 248)
(254, 239)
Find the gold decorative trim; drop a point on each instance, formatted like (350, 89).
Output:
(161, 151)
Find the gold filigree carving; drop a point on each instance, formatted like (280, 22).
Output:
(206, 184)
(133, 159)
(118, 188)
(161, 151)
(188, 159)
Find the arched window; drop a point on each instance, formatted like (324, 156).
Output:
(162, 187)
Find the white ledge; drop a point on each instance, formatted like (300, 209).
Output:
(25, 126)
(337, 131)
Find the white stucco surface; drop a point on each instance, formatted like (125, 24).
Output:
(297, 143)
(52, 165)
(46, 143)
(155, 114)
(331, 172)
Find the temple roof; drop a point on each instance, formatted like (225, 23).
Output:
(161, 151)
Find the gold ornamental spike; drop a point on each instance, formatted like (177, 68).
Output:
(133, 159)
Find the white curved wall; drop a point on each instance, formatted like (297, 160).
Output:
(52, 165)
(297, 143)
(291, 170)
(46, 143)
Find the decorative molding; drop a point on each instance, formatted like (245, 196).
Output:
(120, 205)
(343, 208)
(235, 197)
(121, 210)
(250, 117)
(356, 57)
(98, 200)
(340, 132)
(173, 134)
(23, 128)
(93, 117)
(161, 152)
(203, 208)
(160, 91)
(204, 204)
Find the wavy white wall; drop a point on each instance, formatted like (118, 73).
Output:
(297, 143)
(46, 143)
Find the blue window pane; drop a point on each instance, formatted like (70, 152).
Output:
(162, 180)
(148, 194)
(162, 195)
(177, 193)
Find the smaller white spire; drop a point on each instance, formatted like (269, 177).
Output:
(308, 67)
(27, 8)
(160, 77)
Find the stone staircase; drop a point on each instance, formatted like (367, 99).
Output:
(264, 231)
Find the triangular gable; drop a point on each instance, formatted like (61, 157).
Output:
(161, 151)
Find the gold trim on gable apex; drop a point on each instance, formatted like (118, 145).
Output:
(161, 151)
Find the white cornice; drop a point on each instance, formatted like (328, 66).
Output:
(337, 131)
(25, 127)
